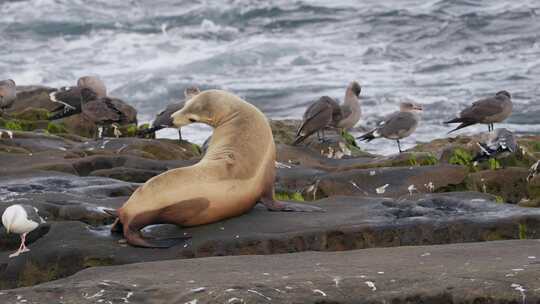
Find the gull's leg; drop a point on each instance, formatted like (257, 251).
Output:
(399, 146)
(24, 248)
(20, 250)
(100, 132)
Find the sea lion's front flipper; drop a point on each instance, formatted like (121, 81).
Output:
(273, 205)
(117, 226)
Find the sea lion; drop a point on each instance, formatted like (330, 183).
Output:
(237, 171)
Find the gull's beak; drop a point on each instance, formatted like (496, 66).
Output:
(8, 228)
(418, 107)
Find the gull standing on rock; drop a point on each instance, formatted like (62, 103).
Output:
(163, 119)
(485, 111)
(69, 98)
(318, 116)
(349, 110)
(101, 111)
(328, 113)
(501, 143)
(21, 219)
(397, 125)
(534, 170)
(8, 94)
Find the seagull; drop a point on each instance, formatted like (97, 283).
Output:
(163, 119)
(397, 125)
(318, 116)
(8, 132)
(486, 111)
(116, 130)
(326, 113)
(499, 144)
(533, 171)
(8, 94)
(69, 98)
(349, 110)
(101, 111)
(21, 219)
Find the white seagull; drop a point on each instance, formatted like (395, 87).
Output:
(21, 219)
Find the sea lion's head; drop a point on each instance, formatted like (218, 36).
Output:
(209, 107)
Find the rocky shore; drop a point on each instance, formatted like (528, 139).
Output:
(430, 195)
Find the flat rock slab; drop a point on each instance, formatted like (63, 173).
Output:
(321, 160)
(392, 182)
(349, 223)
(386, 182)
(493, 272)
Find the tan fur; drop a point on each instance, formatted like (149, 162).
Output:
(237, 169)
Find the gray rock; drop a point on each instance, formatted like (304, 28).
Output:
(509, 183)
(390, 182)
(494, 272)
(349, 223)
(65, 197)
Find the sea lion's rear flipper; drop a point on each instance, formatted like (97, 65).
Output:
(273, 205)
(173, 214)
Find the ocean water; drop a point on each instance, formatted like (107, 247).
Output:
(281, 55)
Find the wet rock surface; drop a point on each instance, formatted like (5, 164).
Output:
(494, 272)
(349, 223)
(432, 194)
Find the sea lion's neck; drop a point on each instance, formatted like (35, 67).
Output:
(224, 120)
(222, 138)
